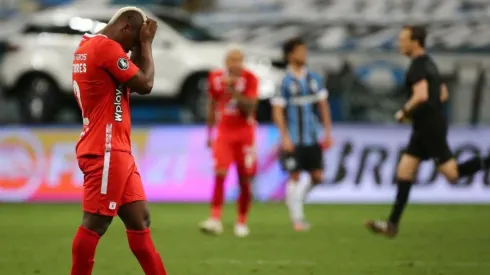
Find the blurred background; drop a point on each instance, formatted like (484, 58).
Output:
(352, 44)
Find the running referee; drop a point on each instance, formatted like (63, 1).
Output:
(428, 139)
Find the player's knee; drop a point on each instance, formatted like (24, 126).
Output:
(244, 178)
(407, 168)
(450, 170)
(143, 222)
(96, 223)
(317, 179)
(452, 180)
(221, 172)
(244, 184)
(147, 219)
(452, 176)
(135, 215)
(294, 176)
(405, 173)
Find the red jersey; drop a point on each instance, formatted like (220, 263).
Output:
(100, 66)
(229, 116)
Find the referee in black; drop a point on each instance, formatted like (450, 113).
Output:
(428, 140)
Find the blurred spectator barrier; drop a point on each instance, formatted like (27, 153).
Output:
(370, 87)
(357, 24)
(39, 165)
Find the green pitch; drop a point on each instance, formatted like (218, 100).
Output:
(449, 240)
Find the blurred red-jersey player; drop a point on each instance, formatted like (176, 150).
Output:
(103, 77)
(233, 100)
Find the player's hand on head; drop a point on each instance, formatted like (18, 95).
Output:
(148, 30)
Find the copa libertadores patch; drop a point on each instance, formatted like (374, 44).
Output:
(123, 64)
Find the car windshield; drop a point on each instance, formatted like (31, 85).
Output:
(189, 30)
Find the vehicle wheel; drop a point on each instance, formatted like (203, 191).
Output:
(196, 98)
(39, 99)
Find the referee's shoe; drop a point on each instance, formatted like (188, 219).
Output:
(385, 228)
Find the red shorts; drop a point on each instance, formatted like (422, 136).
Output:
(110, 181)
(238, 149)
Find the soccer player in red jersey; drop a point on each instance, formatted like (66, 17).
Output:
(233, 100)
(103, 77)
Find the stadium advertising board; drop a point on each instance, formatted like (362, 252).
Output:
(39, 165)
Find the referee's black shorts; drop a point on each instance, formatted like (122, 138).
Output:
(430, 142)
(303, 158)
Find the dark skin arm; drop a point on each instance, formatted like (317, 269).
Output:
(136, 59)
(142, 82)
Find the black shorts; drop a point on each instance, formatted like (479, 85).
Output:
(304, 158)
(430, 142)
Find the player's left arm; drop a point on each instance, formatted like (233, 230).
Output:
(136, 59)
(247, 101)
(420, 94)
(324, 111)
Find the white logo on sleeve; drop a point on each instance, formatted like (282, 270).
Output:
(112, 205)
(123, 64)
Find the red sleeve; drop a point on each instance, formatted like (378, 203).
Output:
(212, 89)
(112, 57)
(252, 86)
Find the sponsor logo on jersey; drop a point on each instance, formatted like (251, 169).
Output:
(304, 100)
(123, 63)
(118, 112)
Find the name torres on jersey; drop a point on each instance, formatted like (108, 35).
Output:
(80, 67)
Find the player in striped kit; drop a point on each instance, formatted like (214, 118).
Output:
(301, 92)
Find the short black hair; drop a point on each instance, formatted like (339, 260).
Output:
(133, 18)
(417, 33)
(290, 45)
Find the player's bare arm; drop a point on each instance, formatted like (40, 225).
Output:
(136, 59)
(324, 110)
(136, 55)
(142, 82)
(420, 94)
(280, 121)
(444, 93)
(211, 120)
